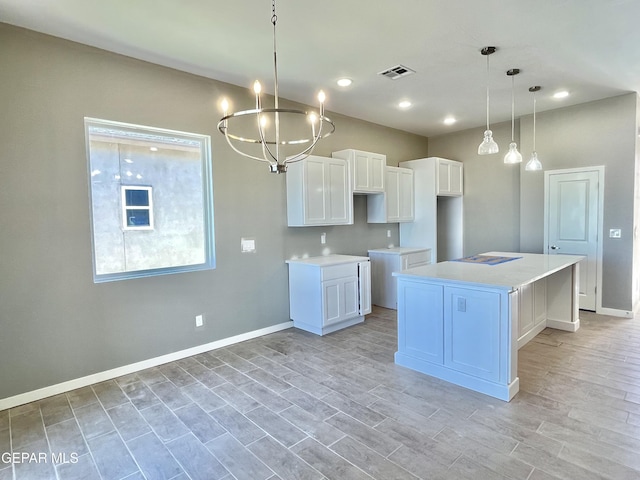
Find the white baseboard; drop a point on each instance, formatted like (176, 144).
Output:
(45, 392)
(615, 312)
(562, 325)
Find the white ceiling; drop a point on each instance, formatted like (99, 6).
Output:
(589, 47)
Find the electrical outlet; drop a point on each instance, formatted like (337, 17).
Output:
(199, 321)
(615, 233)
(462, 304)
(388, 233)
(323, 238)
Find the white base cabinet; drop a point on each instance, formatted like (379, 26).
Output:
(385, 261)
(329, 293)
(458, 334)
(464, 322)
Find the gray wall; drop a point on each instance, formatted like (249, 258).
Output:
(56, 324)
(503, 204)
(491, 201)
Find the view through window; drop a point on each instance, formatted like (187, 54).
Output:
(151, 200)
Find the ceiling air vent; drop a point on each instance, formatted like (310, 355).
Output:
(396, 72)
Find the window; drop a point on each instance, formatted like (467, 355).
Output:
(137, 208)
(151, 200)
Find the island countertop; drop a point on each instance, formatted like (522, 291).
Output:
(512, 274)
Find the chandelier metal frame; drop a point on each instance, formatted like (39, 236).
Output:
(321, 126)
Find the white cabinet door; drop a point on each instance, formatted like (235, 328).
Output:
(405, 195)
(332, 302)
(364, 276)
(318, 192)
(455, 178)
(420, 321)
(367, 170)
(339, 300)
(397, 202)
(472, 321)
(449, 178)
(337, 193)
(315, 194)
(392, 195)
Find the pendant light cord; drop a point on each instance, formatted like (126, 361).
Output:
(513, 108)
(534, 121)
(487, 92)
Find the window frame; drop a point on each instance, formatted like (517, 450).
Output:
(204, 142)
(125, 208)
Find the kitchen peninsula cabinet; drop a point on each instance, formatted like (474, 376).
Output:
(367, 170)
(319, 192)
(329, 293)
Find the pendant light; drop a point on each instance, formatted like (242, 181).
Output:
(488, 145)
(534, 164)
(319, 126)
(513, 155)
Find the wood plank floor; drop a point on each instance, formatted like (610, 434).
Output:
(293, 405)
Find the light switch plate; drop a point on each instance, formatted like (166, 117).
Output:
(248, 245)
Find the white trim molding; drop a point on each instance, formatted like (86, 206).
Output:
(614, 312)
(45, 392)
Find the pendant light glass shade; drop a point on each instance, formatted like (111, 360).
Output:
(513, 155)
(534, 164)
(488, 145)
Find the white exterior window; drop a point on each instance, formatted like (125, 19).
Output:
(137, 208)
(151, 200)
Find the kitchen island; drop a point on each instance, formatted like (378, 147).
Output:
(463, 321)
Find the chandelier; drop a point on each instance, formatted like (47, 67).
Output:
(262, 126)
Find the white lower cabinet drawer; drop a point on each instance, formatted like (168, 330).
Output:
(339, 271)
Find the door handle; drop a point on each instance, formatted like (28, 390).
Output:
(554, 247)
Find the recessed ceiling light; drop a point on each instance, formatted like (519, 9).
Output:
(561, 94)
(449, 121)
(404, 104)
(153, 149)
(344, 82)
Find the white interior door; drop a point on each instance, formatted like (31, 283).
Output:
(571, 224)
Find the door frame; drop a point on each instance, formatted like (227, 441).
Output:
(600, 171)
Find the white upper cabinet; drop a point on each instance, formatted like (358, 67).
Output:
(449, 176)
(318, 192)
(397, 203)
(367, 170)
